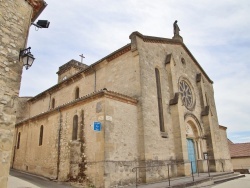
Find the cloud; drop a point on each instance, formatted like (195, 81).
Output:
(217, 34)
(239, 137)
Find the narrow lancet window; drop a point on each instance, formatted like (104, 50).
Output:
(18, 140)
(53, 103)
(41, 136)
(75, 128)
(77, 93)
(159, 97)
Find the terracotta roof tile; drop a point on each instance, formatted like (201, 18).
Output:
(239, 150)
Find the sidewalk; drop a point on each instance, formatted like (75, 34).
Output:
(203, 180)
(19, 179)
(14, 182)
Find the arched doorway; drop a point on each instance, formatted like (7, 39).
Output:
(194, 143)
(191, 154)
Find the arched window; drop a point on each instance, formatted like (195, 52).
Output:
(18, 140)
(41, 136)
(77, 93)
(53, 103)
(75, 128)
(159, 97)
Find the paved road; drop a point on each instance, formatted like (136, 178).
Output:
(20, 180)
(237, 183)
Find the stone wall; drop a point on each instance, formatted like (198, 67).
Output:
(89, 157)
(121, 143)
(35, 158)
(224, 150)
(15, 16)
(57, 143)
(120, 75)
(241, 163)
(131, 135)
(22, 108)
(180, 66)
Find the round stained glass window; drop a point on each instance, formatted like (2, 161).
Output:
(186, 94)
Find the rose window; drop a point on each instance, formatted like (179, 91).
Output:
(186, 94)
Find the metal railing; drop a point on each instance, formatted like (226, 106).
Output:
(153, 171)
(135, 169)
(206, 164)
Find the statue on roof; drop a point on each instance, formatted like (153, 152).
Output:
(176, 29)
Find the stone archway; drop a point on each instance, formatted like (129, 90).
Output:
(195, 146)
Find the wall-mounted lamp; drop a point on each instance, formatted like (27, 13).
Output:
(42, 24)
(27, 57)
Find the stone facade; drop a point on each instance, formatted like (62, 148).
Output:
(15, 19)
(156, 107)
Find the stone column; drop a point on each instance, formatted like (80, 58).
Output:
(15, 16)
(208, 127)
(179, 132)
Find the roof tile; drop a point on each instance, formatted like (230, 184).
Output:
(239, 150)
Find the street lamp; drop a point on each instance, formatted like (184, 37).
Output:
(27, 58)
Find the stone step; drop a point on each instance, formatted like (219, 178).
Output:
(224, 176)
(221, 174)
(227, 177)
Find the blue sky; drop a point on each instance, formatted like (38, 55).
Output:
(216, 32)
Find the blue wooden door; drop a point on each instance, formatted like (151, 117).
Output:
(191, 153)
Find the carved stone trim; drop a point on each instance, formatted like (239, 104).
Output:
(198, 77)
(164, 135)
(133, 42)
(222, 127)
(175, 99)
(205, 112)
(168, 58)
(92, 96)
(119, 53)
(152, 39)
(72, 63)
(195, 119)
(38, 6)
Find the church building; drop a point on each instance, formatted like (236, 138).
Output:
(149, 103)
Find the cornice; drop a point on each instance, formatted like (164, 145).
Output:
(222, 127)
(92, 96)
(38, 6)
(72, 63)
(152, 39)
(118, 53)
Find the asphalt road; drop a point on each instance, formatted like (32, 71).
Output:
(35, 180)
(237, 183)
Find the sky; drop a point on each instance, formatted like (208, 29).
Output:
(216, 33)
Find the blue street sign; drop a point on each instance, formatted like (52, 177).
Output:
(97, 126)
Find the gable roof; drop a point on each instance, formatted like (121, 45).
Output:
(239, 150)
(116, 54)
(153, 39)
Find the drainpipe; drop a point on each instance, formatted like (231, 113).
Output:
(59, 143)
(95, 77)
